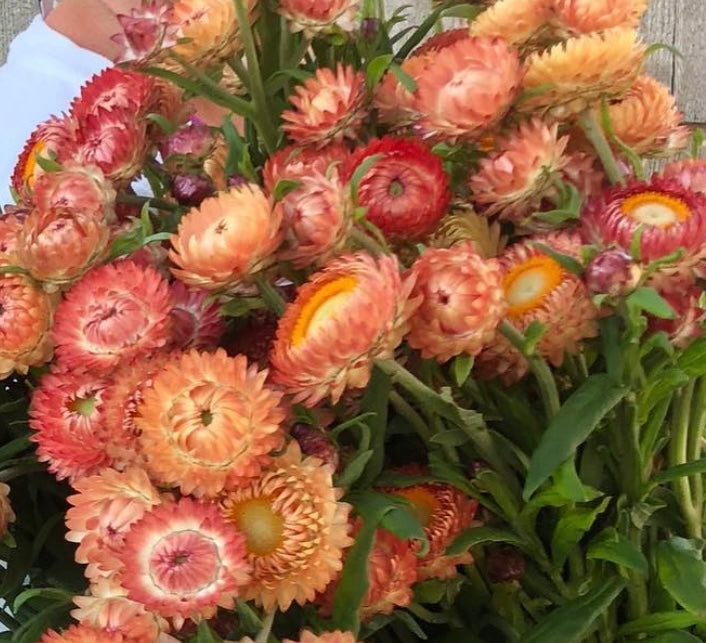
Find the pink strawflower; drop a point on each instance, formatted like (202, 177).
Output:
(319, 16)
(294, 162)
(691, 173)
(196, 319)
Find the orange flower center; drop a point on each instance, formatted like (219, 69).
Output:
(262, 527)
(423, 501)
(656, 209)
(528, 284)
(31, 164)
(325, 304)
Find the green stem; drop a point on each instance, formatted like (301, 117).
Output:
(270, 295)
(405, 410)
(263, 116)
(694, 446)
(267, 624)
(160, 204)
(366, 242)
(595, 134)
(539, 368)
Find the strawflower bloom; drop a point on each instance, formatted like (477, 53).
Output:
(514, 180)
(647, 119)
(519, 22)
(467, 88)
(184, 560)
(686, 301)
(462, 302)
(10, 228)
(66, 413)
(327, 107)
(294, 162)
(7, 515)
(208, 422)
(444, 512)
(691, 173)
(25, 324)
(538, 289)
(82, 634)
(318, 16)
(295, 529)
(115, 313)
(440, 41)
(336, 636)
(146, 31)
(317, 216)
(226, 239)
(575, 74)
(352, 312)
(670, 217)
(574, 17)
(196, 319)
(395, 103)
(405, 191)
(103, 509)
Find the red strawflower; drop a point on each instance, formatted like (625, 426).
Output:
(114, 88)
(196, 319)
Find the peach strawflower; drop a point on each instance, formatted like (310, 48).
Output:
(691, 173)
(25, 324)
(584, 171)
(316, 218)
(352, 312)
(440, 41)
(7, 515)
(467, 88)
(575, 17)
(226, 239)
(522, 171)
(538, 289)
(327, 107)
(208, 423)
(577, 73)
(113, 314)
(395, 103)
(444, 512)
(670, 217)
(519, 22)
(10, 227)
(51, 138)
(196, 319)
(325, 637)
(319, 16)
(295, 529)
(647, 119)
(462, 302)
(146, 31)
(67, 415)
(294, 162)
(82, 634)
(405, 191)
(184, 560)
(108, 607)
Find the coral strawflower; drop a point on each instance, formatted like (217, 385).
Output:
(519, 22)
(113, 314)
(521, 172)
(10, 227)
(295, 528)
(467, 88)
(226, 239)
(691, 173)
(352, 312)
(184, 560)
(405, 190)
(114, 88)
(569, 77)
(318, 16)
(25, 324)
(394, 102)
(294, 162)
(574, 17)
(81, 634)
(327, 107)
(208, 422)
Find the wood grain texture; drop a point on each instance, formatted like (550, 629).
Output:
(659, 25)
(690, 40)
(15, 15)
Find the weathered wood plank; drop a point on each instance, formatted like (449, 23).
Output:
(659, 25)
(690, 40)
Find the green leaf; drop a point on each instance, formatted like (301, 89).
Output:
(565, 261)
(374, 406)
(461, 368)
(429, 591)
(360, 173)
(572, 527)
(241, 306)
(681, 470)
(451, 438)
(568, 483)
(284, 187)
(14, 447)
(31, 630)
(683, 573)
(649, 300)
(576, 420)
(53, 594)
(376, 70)
(402, 521)
(248, 619)
(574, 620)
(636, 243)
(206, 635)
(675, 637)
(693, 358)
(404, 78)
(534, 333)
(616, 548)
(660, 622)
(47, 164)
(496, 485)
(479, 535)
(408, 620)
(354, 470)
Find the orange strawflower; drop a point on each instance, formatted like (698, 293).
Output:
(519, 22)
(208, 423)
(82, 634)
(354, 311)
(575, 17)
(319, 16)
(226, 239)
(325, 637)
(295, 528)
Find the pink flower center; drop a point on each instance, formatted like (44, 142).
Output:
(119, 322)
(184, 562)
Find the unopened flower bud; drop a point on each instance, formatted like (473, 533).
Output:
(194, 140)
(475, 467)
(254, 339)
(191, 189)
(314, 442)
(369, 28)
(612, 272)
(505, 564)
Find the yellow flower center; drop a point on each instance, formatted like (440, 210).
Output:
(262, 527)
(82, 405)
(323, 305)
(423, 501)
(31, 164)
(528, 284)
(656, 209)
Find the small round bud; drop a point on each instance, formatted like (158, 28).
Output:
(314, 442)
(369, 28)
(612, 272)
(194, 140)
(505, 564)
(191, 189)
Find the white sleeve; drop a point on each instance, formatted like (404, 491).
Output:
(43, 73)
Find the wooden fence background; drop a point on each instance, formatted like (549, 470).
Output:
(677, 23)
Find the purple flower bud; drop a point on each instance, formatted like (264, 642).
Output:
(191, 189)
(314, 442)
(193, 140)
(369, 28)
(612, 272)
(237, 181)
(505, 564)
(475, 467)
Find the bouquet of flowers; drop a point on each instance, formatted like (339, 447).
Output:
(394, 339)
